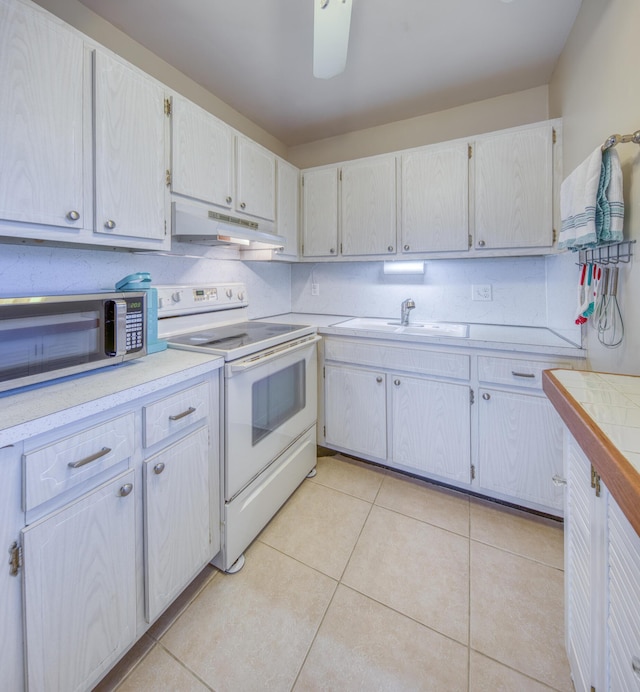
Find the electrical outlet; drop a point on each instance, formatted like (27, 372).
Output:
(315, 289)
(481, 292)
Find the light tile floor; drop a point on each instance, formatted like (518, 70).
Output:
(369, 580)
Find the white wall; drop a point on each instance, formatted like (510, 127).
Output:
(442, 293)
(595, 90)
(28, 270)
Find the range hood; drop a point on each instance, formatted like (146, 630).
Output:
(207, 226)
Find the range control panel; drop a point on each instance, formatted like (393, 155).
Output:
(184, 300)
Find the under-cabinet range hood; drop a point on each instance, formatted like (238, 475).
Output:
(206, 226)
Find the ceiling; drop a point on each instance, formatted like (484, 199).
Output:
(406, 57)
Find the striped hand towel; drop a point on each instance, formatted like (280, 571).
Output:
(610, 202)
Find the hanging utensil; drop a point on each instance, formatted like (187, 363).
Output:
(610, 325)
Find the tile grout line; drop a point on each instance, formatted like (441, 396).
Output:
(186, 667)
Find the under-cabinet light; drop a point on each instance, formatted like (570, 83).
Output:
(412, 267)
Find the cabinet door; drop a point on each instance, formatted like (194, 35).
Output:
(520, 447)
(130, 152)
(177, 526)
(320, 213)
(431, 427)
(41, 111)
(11, 523)
(80, 588)
(255, 180)
(624, 602)
(435, 199)
(368, 209)
(514, 189)
(201, 154)
(288, 203)
(356, 411)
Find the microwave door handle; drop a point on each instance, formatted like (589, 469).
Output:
(120, 326)
(244, 365)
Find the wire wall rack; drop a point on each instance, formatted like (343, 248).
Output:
(611, 253)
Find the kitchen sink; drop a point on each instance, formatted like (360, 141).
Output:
(381, 324)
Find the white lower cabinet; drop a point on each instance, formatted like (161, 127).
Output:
(520, 447)
(431, 427)
(176, 511)
(80, 588)
(602, 575)
(356, 410)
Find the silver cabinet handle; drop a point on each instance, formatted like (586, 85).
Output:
(110, 224)
(73, 215)
(87, 460)
(242, 205)
(486, 396)
(558, 480)
(530, 375)
(406, 247)
(379, 378)
(229, 200)
(397, 383)
(481, 243)
(390, 248)
(158, 468)
(178, 416)
(332, 250)
(635, 665)
(125, 489)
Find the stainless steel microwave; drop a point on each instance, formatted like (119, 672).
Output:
(46, 337)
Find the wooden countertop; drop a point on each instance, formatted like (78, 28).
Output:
(602, 411)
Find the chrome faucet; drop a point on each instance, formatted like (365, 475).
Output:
(407, 305)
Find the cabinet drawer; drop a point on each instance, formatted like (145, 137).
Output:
(63, 465)
(413, 360)
(173, 413)
(515, 371)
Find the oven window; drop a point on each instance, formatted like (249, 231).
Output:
(277, 398)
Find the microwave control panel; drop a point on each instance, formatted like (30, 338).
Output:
(134, 324)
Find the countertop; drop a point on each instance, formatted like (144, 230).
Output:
(602, 411)
(492, 336)
(39, 408)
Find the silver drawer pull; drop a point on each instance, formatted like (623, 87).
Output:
(530, 375)
(125, 489)
(635, 664)
(178, 416)
(158, 468)
(558, 480)
(87, 460)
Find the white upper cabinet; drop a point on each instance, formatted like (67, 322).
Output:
(435, 198)
(255, 180)
(288, 206)
(514, 189)
(320, 213)
(130, 156)
(368, 207)
(41, 111)
(201, 154)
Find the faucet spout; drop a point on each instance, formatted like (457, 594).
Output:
(406, 306)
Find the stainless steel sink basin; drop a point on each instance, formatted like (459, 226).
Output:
(380, 324)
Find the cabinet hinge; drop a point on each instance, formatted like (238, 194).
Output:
(469, 151)
(340, 175)
(302, 181)
(554, 135)
(324, 430)
(470, 240)
(167, 107)
(472, 397)
(340, 248)
(324, 372)
(595, 481)
(167, 178)
(473, 472)
(555, 235)
(15, 559)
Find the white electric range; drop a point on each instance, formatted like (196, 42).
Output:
(269, 406)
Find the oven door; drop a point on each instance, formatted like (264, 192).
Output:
(270, 400)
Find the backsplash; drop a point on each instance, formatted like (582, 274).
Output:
(519, 292)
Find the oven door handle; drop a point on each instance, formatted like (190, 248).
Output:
(272, 354)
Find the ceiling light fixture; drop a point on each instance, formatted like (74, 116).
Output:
(331, 23)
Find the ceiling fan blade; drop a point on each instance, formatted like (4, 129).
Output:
(331, 23)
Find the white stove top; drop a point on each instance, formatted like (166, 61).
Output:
(213, 319)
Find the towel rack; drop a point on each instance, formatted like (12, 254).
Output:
(613, 253)
(621, 139)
